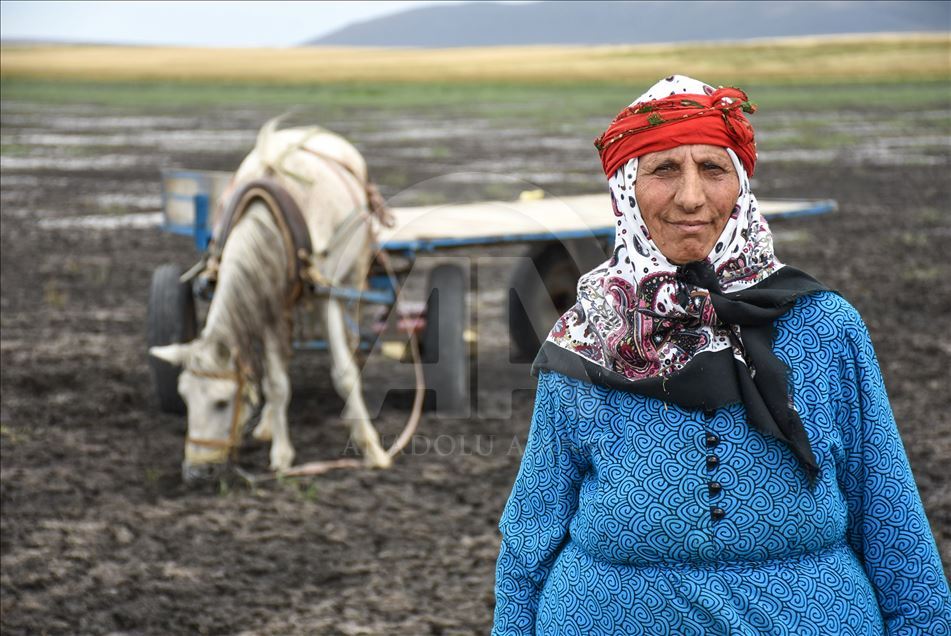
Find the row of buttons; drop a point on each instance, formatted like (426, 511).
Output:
(713, 487)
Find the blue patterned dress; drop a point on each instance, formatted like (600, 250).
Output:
(629, 516)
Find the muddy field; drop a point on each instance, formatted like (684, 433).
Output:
(100, 537)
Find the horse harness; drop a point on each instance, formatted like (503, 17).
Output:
(300, 269)
(287, 217)
(240, 376)
(297, 245)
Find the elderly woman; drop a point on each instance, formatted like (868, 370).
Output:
(712, 450)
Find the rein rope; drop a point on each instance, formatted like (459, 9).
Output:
(240, 377)
(375, 207)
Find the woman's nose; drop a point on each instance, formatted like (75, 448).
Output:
(690, 196)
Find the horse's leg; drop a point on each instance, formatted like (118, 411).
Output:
(262, 431)
(277, 395)
(346, 381)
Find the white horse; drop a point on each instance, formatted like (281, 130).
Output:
(247, 335)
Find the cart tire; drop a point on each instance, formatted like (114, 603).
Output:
(537, 304)
(171, 319)
(444, 350)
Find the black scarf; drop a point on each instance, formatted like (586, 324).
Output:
(714, 379)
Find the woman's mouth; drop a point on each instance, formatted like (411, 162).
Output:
(690, 227)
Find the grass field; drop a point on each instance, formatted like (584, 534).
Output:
(851, 59)
(547, 88)
(541, 102)
(812, 74)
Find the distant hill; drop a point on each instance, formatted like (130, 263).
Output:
(599, 22)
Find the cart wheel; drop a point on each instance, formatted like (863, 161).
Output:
(443, 345)
(171, 319)
(534, 307)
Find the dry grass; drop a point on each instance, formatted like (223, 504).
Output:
(880, 58)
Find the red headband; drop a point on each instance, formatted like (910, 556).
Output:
(673, 121)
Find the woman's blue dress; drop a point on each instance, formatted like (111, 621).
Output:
(630, 516)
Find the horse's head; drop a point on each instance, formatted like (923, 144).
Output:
(219, 397)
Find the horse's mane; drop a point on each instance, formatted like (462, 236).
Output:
(252, 289)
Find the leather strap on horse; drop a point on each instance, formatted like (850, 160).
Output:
(376, 204)
(240, 377)
(288, 218)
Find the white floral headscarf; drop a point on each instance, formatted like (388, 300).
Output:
(634, 314)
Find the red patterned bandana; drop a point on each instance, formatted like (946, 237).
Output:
(715, 118)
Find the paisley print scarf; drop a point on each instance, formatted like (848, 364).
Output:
(697, 335)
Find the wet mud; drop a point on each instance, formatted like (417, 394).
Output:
(99, 536)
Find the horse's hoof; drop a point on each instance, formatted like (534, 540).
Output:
(379, 459)
(198, 474)
(281, 460)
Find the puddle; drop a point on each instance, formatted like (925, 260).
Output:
(128, 200)
(99, 162)
(16, 106)
(32, 181)
(32, 213)
(589, 179)
(888, 157)
(479, 177)
(173, 140)
(518, 166)
(417, 130)
(897, 151)
(28, 137)
(790, 236)
(563, 143)
(139, 220)
(912, 142)
(471, 154)
(417, 153)
(797, 154)
(100, 122)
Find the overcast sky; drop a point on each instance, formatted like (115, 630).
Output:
(232, 23)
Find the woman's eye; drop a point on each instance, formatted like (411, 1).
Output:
(221, 405)
(664, 169)
(712, 167)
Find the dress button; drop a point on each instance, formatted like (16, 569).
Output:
(712, 440)
(717, 513)
(714, 488)
(712, 462)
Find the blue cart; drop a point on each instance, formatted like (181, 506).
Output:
(564, 237)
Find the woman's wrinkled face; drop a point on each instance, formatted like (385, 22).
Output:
(686, 195)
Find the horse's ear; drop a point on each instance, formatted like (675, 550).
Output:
(173, 354)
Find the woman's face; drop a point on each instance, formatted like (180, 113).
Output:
(686, 195)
